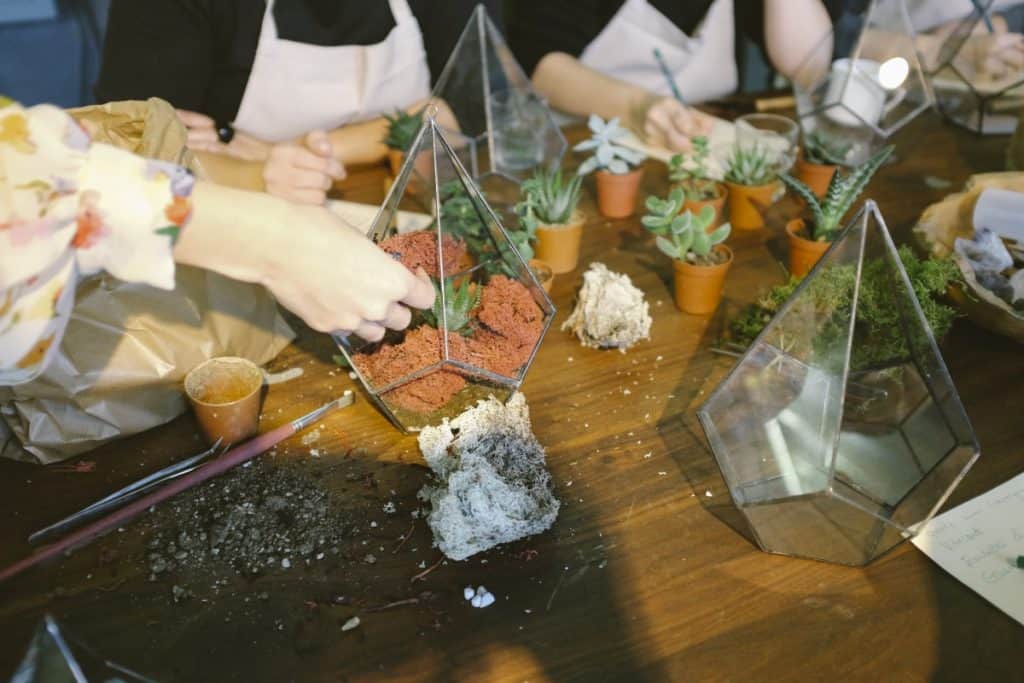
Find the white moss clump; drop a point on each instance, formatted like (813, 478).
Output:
(610, 312)
(493, 486)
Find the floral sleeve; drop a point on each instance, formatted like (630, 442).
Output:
(71, 208)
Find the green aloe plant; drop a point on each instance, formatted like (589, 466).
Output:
(825, 149)
(458, 303)
(827, 213)
(549, 198)
(402, 129)
(750, 166)
(682, 236)
(691, 172)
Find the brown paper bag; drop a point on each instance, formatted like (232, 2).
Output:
(128, 346)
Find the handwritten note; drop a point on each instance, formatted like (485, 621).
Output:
(979, 542)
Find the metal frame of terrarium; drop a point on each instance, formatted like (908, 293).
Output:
(479, 48)
(823, 107)
(827, 461)
(384, 225)
(957, 95)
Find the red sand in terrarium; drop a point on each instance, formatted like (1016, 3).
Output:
(419, 250)
(508, 324)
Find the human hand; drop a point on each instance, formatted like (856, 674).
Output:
(338, 281)
(996, 55)
(671, 124)
(202, 137)
(303, 172)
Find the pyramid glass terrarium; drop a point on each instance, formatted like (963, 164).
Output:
(490, 312)
(864, 92)
(485, 95)
(967, 90)
(836, 441)
(53, 657)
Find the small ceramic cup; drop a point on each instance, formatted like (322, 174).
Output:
(225, 396)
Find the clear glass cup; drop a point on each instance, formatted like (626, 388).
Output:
(517, 124)
(777, 134)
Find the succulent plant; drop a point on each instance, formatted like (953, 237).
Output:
(843, 191)
(821, 147)
(458, 303)
(548, 198)
(608, 155)
(750, 166)
(691, 172)
(682, 236)
(402, 129)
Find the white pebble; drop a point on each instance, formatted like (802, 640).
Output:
(286, 563)
(486, 600)
(707, 493)
(477, 601)
(350, 624)
(468, 592)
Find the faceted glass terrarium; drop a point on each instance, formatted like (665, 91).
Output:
(966, 90)
(865, 92)
(836, 444)
(53, 657)
(490, 312)
(491, 102)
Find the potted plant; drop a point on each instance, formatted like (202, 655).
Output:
(823, 154)
(698, 256)
(549, 210)
(618, 172)
(402, 129)
(809, 240)
(752, 182)
(699, 189)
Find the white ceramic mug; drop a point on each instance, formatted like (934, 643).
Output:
(855, 97)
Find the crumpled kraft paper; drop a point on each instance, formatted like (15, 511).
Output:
(128, 346)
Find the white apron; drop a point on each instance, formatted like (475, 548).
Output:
(704, 66)
(294, 87)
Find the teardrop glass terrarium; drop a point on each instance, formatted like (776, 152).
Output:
(490, 312)
(837, 442)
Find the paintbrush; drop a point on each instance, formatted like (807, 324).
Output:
(233, 458)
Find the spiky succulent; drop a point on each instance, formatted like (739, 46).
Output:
(750, 166)
(691, 172)
(682, 236)
(608, 155)
(825, 148)
(549, 198)
(402, 129)
(458, 303)
(827, 213)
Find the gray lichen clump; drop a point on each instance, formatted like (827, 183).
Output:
(610, 312)
(493, 486)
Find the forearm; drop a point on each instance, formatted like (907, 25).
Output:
(570, 86)
(808, 49)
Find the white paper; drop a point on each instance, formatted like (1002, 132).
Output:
(1000, 211)
(979, 542)
(360, 216)
(720, 143)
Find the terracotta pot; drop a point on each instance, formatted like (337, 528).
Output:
(718, 204)
(225, 396)
(542, 271)
(803, 253)
(395, 159)
(747, 204)
(616, 193)
(698, 289)
(559, 245)
(815, 176)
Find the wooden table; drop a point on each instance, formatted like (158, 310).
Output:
(648, 574)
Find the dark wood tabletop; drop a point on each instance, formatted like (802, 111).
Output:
(648, 574)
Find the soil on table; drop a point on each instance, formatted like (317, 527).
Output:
(419, 250)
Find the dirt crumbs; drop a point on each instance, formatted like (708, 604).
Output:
(252, 520)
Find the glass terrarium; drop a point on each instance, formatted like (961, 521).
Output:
(839, 431)
(484, 94)
(53, 657)
(970, 90)
(863, 91)
(490, 312)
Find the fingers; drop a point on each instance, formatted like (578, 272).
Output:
(318, 143)
(398, 317)
(371, 332)
(420, 293)
(194, 119)
(672, 125)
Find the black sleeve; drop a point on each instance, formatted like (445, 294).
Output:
(157, 48)
(442, 23)
(539, 27)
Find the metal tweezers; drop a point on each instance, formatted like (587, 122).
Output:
(124, 495)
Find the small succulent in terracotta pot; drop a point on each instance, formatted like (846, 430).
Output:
(618, 167)
(810, 239)
(402, 129)
(690, 173)
(752, 180)
(549, 210)
(823, 154)
(699, 258)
